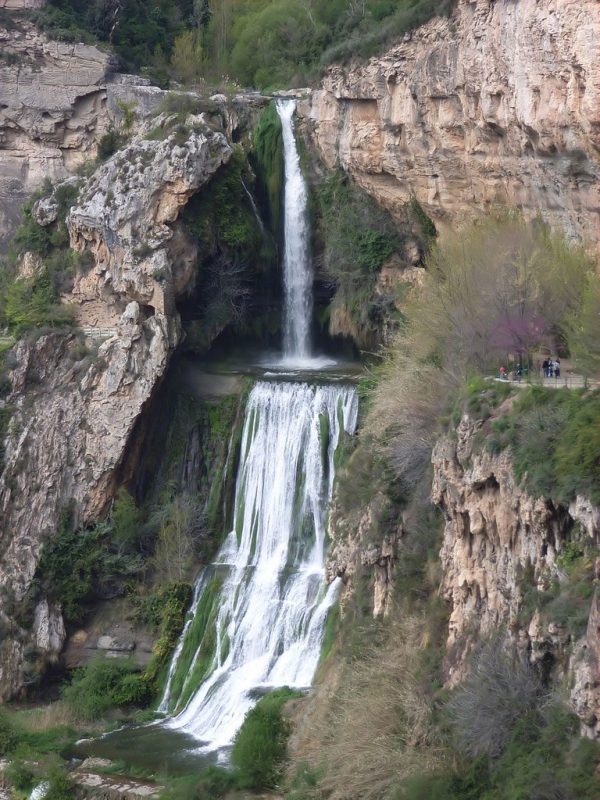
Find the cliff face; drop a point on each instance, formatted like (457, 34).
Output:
(503, 551)
(58, 99)
(74, 408)
(52, 111)
(500, 104)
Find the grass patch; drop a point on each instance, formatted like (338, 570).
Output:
(260, 746)
(554, 438)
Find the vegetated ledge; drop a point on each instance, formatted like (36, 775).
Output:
(517, 563)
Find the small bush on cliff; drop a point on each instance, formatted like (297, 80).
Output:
(260, 746)
(500, 689)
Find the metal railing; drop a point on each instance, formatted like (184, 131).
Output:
(568, 380)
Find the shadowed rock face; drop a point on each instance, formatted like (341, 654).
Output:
(499, 104)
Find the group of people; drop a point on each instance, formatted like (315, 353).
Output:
(551, 368)
(514, 375)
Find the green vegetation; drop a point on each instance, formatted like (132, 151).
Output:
(257, 42)
(173, 601)
(199, 650)
(495, 288)
(60, 785)
(77, 564)
(554, 438)
(108, 145)
(260, 746)
(104, 684)
(238, 258)
(544, 758)
(34, 301)
(356, 237)
(267, 160)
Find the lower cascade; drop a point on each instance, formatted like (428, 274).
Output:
(259, 611)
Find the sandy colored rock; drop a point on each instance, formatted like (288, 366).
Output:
(498, 542)
(500, 104)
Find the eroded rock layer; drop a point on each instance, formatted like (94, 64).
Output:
(499, 104)
(500, 544)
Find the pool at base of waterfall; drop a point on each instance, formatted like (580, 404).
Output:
(154, 748)
(259, 610)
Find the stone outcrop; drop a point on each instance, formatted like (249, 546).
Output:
(499, 104)
(21, 5)
(52, 112)
(58, 99)
(352, 550)
(74, 408)
(498, 544)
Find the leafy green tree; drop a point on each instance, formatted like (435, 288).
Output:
(126, 520)
(583, 334)
(186, 61)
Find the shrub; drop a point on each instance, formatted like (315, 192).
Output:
(126, 520)
(60, 786)
(9, 736)
(109, 144)
(554, 437)
(104, 684)
(260, 746)
(500, 690)
(20, 776)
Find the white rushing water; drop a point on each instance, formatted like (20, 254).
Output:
(297, 272)
(273, 600)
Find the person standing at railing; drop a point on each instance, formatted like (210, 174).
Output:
(557, 368)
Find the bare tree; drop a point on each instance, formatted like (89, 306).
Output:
(501, 688)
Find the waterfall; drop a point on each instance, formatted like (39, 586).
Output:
(259, 610)
(264, 626)
(297, 273)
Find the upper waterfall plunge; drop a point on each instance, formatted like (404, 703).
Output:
(297, 273)
(259, 611)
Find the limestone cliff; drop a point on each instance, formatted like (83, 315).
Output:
(502, 552)
(499, 104)
(73, 408)
(53, 110)
(58, 99)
